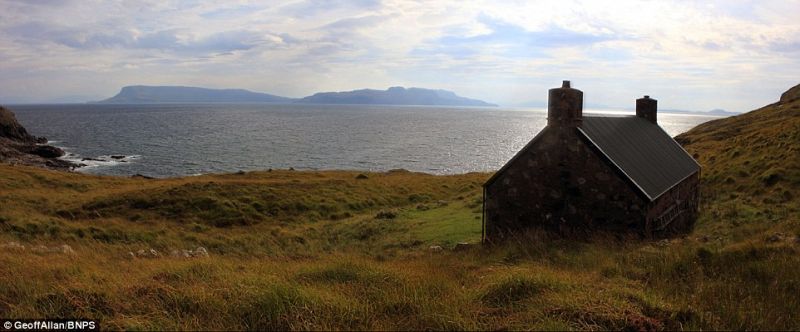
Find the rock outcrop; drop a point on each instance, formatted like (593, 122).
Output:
(200, 252)
(11, 129)
(40, 249)
(17, 146)
(47, 151)
(791, 94)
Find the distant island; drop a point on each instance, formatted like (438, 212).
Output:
(715, 112)
(393, 96)
(140, 94)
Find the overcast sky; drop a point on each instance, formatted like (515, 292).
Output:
(735, 55)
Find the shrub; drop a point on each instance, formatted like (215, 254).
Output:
(386, 214)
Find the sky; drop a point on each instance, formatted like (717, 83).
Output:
(690, 55)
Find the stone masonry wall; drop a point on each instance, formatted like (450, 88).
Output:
(675, 212)
(561, 183)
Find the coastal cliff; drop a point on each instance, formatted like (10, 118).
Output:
(17, 146)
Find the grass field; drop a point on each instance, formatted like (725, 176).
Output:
(335, 250)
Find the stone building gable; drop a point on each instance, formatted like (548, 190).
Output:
(560, 182)
(676, 210)
(581, 174)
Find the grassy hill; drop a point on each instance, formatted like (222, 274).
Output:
(351, 250)
(751, 168)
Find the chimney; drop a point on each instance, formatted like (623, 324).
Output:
(646, 108)
(565, 106)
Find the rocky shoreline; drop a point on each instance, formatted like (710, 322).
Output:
(18, 147)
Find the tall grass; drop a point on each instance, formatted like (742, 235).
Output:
(305, 251)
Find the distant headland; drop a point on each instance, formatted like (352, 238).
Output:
(141, 94)
(394, 96)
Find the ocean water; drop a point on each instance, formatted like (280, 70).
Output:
(165, 140)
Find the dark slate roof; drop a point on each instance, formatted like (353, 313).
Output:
(643, 151)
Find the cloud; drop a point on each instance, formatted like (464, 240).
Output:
(786, 46)
(166, 40)
(56, 3)
(491, 50)
(310, 8)
(353, 24)
(226, 41)
(510, 40)
(37, 32)
(228, 12)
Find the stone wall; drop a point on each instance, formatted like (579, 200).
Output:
(561, 183)
(674, 212)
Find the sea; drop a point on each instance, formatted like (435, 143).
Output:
(170, 140)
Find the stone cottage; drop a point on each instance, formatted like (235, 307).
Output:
(586, 173)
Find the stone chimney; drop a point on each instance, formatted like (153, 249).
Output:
(646, 108)
(565, 106)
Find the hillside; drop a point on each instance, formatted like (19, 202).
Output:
(139, 94)
(339, 250)
(394, 96)
(753, 158)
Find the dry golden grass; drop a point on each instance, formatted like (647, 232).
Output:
(304, 250)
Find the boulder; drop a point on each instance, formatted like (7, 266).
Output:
(62, 249)
(152, 253)
(201, 252)
(40, 249)
(47, 151)
(463, 246)
(66, 249)
(117, 156)
(12, 246)
(775, 237)
(435, 248)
